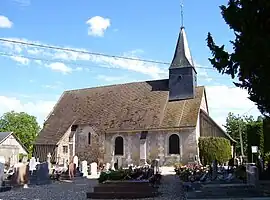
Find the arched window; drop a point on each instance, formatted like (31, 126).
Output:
(119, 146)
(174, 144)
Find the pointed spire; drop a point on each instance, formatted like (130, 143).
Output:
(182, 56)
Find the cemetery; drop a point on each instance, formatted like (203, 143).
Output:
(218, 176)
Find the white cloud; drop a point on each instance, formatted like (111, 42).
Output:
(5, 22)
(224, 99)
(39, 108)
(98, 25)
(110, 78)
(21, 60)
(60, 67)
(153, 70)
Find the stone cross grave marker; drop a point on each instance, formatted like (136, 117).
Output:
(93, 168)
(32, 164)
(2, 165)
(84, 168)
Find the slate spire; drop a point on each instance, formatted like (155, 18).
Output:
(182, 56)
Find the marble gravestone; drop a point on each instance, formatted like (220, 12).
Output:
(84, 168)
(76, 161)
(93, 167)
(32, 164)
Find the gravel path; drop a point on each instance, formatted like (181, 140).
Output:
(170, 188)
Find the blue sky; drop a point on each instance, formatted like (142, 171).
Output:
(140, 29)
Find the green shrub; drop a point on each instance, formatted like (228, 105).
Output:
(214, 148)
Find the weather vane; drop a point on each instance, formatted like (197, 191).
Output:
(182, 13)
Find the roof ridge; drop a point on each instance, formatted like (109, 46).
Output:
(113, 85)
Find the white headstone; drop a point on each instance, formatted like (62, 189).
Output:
(2, 166)
(107, 166)
(2, 159)
(93, 167)
(32, 164)
(65, 165)
(76, 161)
(84, 168)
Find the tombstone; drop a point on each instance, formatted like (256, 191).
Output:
(84, 168)
(65, 165)
(214, 170)
(2, 166)
(107, 166)
(252, 175)
(93, 167)
(32, 164)
(49, 162)
(21, 174)
(42, 173)
(2, 159)
(76, 161)
(112, 162)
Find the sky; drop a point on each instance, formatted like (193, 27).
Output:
(34, 78)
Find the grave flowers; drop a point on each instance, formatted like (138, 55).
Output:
(190, 173)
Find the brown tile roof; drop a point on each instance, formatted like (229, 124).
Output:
(131, 106)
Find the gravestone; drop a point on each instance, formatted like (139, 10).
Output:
(2, 159)
(252, 175)
(2, 166)
(32, 164)
(112, 162)
(42, 173)
(214, 170)
(76, 161)
(49, 162)
(107, 166)
(65, 165)
(93, 167)
(84, 168)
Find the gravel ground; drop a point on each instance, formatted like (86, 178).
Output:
(170, 189)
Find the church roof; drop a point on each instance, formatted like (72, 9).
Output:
(123, 107)
(182, 56)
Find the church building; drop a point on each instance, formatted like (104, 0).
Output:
(133, 123)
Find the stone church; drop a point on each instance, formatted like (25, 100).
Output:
(132, 123)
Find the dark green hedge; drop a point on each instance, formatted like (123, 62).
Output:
(255, 137)
(214, 148)
(266, 133)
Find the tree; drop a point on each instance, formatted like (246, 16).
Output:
(250, 58)
(255, 137)
(23, 125)
(235, 125)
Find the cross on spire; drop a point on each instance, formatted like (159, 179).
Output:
(182, 13)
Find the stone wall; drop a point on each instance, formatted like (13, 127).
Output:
(93, 152)
(157, 146)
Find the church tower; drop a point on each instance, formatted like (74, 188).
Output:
(182, 73)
